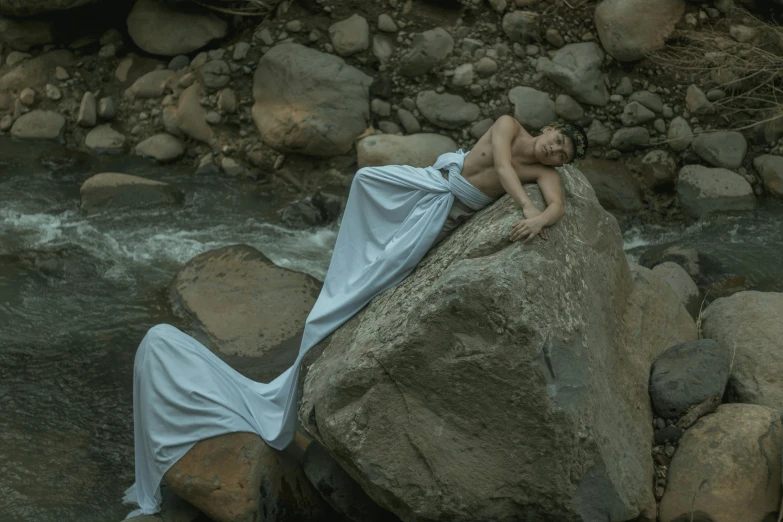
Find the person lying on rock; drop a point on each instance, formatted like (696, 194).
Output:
(507, 156)
(183, 393)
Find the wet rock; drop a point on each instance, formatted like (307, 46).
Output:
(732, 459)
(243, 304)
(159, 29)
(236, 477)
(113, 190)
(309, 102)
(770, 168)
(39, 124)
(532, 108)
(161, 147)
(105, 140)
(350, 36)
(630, 29)
(750, 324)
(428, 50)
(577, 69)
(721, 149)
(447, 111)
(687, 374)
(417, 150)
(704, 191)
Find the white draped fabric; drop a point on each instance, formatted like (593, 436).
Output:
(183, 393)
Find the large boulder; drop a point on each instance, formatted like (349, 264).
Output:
(238, 478)
(721, 149)
(727, 468)
(683, 285)
(112, 190)
(770, 168)
(502, 379)
(630, 29)
(309, 102)
(158, 29)
(750, 325)
(37, 7)
(688, 374)
(704, 191)
(577, 69)
(243, 304)
(416, 150)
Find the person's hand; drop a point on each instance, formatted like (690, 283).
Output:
(526, 229)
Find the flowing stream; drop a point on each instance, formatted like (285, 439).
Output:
(78, 292)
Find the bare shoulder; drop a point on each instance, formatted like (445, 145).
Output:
(507, 125)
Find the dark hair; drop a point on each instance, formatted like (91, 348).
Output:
(576, 133)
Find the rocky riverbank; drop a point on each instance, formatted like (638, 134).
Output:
(606, 362)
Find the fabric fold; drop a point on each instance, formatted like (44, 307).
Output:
(183, 393)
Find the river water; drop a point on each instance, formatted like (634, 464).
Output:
(78, 292)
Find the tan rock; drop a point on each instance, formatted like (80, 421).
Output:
(114, 190)
(727, 468)
(238, 478)
(244, 303)
(152, 85)
(191, 116)
(39, 124)
(629, 29)
(750, 324)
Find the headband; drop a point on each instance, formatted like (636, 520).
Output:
(577, 135)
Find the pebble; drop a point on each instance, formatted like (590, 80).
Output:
(213, 118)
(61, 74)
(240, 51)
(27, 96)
(179, 62)
(52, 92)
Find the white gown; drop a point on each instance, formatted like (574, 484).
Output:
(183, 393)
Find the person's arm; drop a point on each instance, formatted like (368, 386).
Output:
(501, 135)
(549, 182)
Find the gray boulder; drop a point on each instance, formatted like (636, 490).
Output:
(522, 26)
(428, 49)
(532, 108)
(350, 36)
(634, 114)
(472, 397)
(680, 134)
(39, 125)
(630, 29)
(721, 149)
(687, 374)
(416, 150)
(309, 102)
(750, 325)
(577, 69)
(703, 191)
(447, 111)
(630, 138)
(615, 187)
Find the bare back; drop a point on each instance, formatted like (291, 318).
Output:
(479, 168)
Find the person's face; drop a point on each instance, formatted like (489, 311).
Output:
(554, 148)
